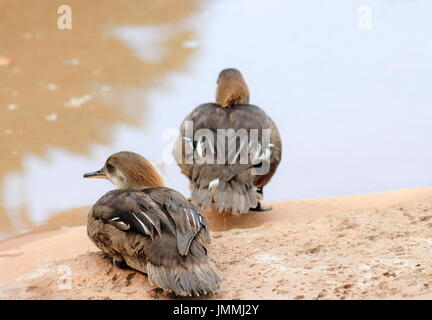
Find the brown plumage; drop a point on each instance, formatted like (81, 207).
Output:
(151, 228)
(228, 187)
(231, 88)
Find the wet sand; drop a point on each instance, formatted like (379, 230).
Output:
(355, 247)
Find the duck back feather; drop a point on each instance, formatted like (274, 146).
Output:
(158, 232)
(230, 187)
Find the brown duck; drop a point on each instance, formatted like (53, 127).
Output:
(151, 228)
(228, 187)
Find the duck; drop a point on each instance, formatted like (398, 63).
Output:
(151, 228)
(235, 187)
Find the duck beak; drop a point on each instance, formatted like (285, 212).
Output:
(97, 174)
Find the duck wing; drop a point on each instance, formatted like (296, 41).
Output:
(132, 210)
(186, 218)
(232, 184)
(275, 157)
(152, 212)
(212, 117)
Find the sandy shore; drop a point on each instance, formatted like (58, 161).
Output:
(355, 247)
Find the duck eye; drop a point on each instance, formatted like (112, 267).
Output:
(110, 167)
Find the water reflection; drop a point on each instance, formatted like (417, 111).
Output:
(67, 91)
(353, 105)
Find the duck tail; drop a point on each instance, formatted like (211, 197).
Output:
(236, 196)
(202, 279)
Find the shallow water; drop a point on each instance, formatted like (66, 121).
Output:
(352, 104)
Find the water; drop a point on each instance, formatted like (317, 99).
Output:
(353, 105)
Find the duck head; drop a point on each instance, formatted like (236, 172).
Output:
(128, 170)
(231, 88)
